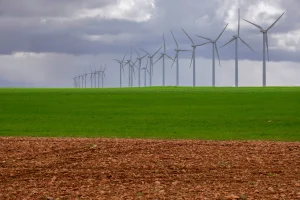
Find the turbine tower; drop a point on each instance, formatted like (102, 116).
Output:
(236, 39)
(214, 49)
(121, 63)
(193, 60)
(163, 55)
(265, 45)
(151, 63)
(176, 59)
(139, 66)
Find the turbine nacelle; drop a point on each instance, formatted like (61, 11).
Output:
(263, 31)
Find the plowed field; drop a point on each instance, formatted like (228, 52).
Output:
(53, 168)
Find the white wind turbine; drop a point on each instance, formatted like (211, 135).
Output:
(151, 63)
(92, 77)
(79, 79)
(214, 49)
(193, 60)
(176, 59)
(121, 63)
(139, 66)
(236, 39)
(145, 73)
(75, 82)
(265, 45)
(130, 69)
(82, 80)
(103, 75)
(163, 55)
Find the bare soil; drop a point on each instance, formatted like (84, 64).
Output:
(53, 168)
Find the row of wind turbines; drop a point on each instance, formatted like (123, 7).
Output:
(137, 64)
(80, 81)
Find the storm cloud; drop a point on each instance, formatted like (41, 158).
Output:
(46, 43)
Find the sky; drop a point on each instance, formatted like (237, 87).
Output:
(46, 43)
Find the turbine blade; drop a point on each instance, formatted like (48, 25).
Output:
(188, 36)
(124, 57)
(198, 45)
(254, 24)
(192, 58)
(164, 43)
(169, 56)
(143, 57)
(267, 42)
(136, 52)
(222, 32)
(133, 73)
(174, 39)
(216, 47)
(158, 59)
(247, 44)
(130, 52)
(228, 42)
(123, 70)
(239, 22)
(147, 63)
(275, 22)
(174, 59)
(156, 52)
(204, 37)
(145, 51)
(117, 60)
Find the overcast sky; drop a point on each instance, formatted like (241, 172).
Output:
(45, 43)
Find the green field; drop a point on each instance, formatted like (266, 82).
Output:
(165, 113)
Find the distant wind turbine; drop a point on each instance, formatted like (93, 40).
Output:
(139, 65)
(265, 44)
(214, 49)
(121, 63)
(151, 63)
(193, 60)
(176, 59)
(163, 55)
(235, 38)
(145, 73)
(103, 75)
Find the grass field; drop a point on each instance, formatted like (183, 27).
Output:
(166, 113)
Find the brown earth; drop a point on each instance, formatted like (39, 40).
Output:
(48, 168)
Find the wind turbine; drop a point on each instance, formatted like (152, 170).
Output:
(163, 55)
(75, 82)
(176, 59)
(140, 65)
(85, 75)
(214, 49)
(98, 73)
(193, 60)
(265, 44)
(151, 63)
(121, 68)
(236, 39)
(130, 68)
(91, 77)
(145, 73)
(78, 80)
(103, 75)
(82, 80)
